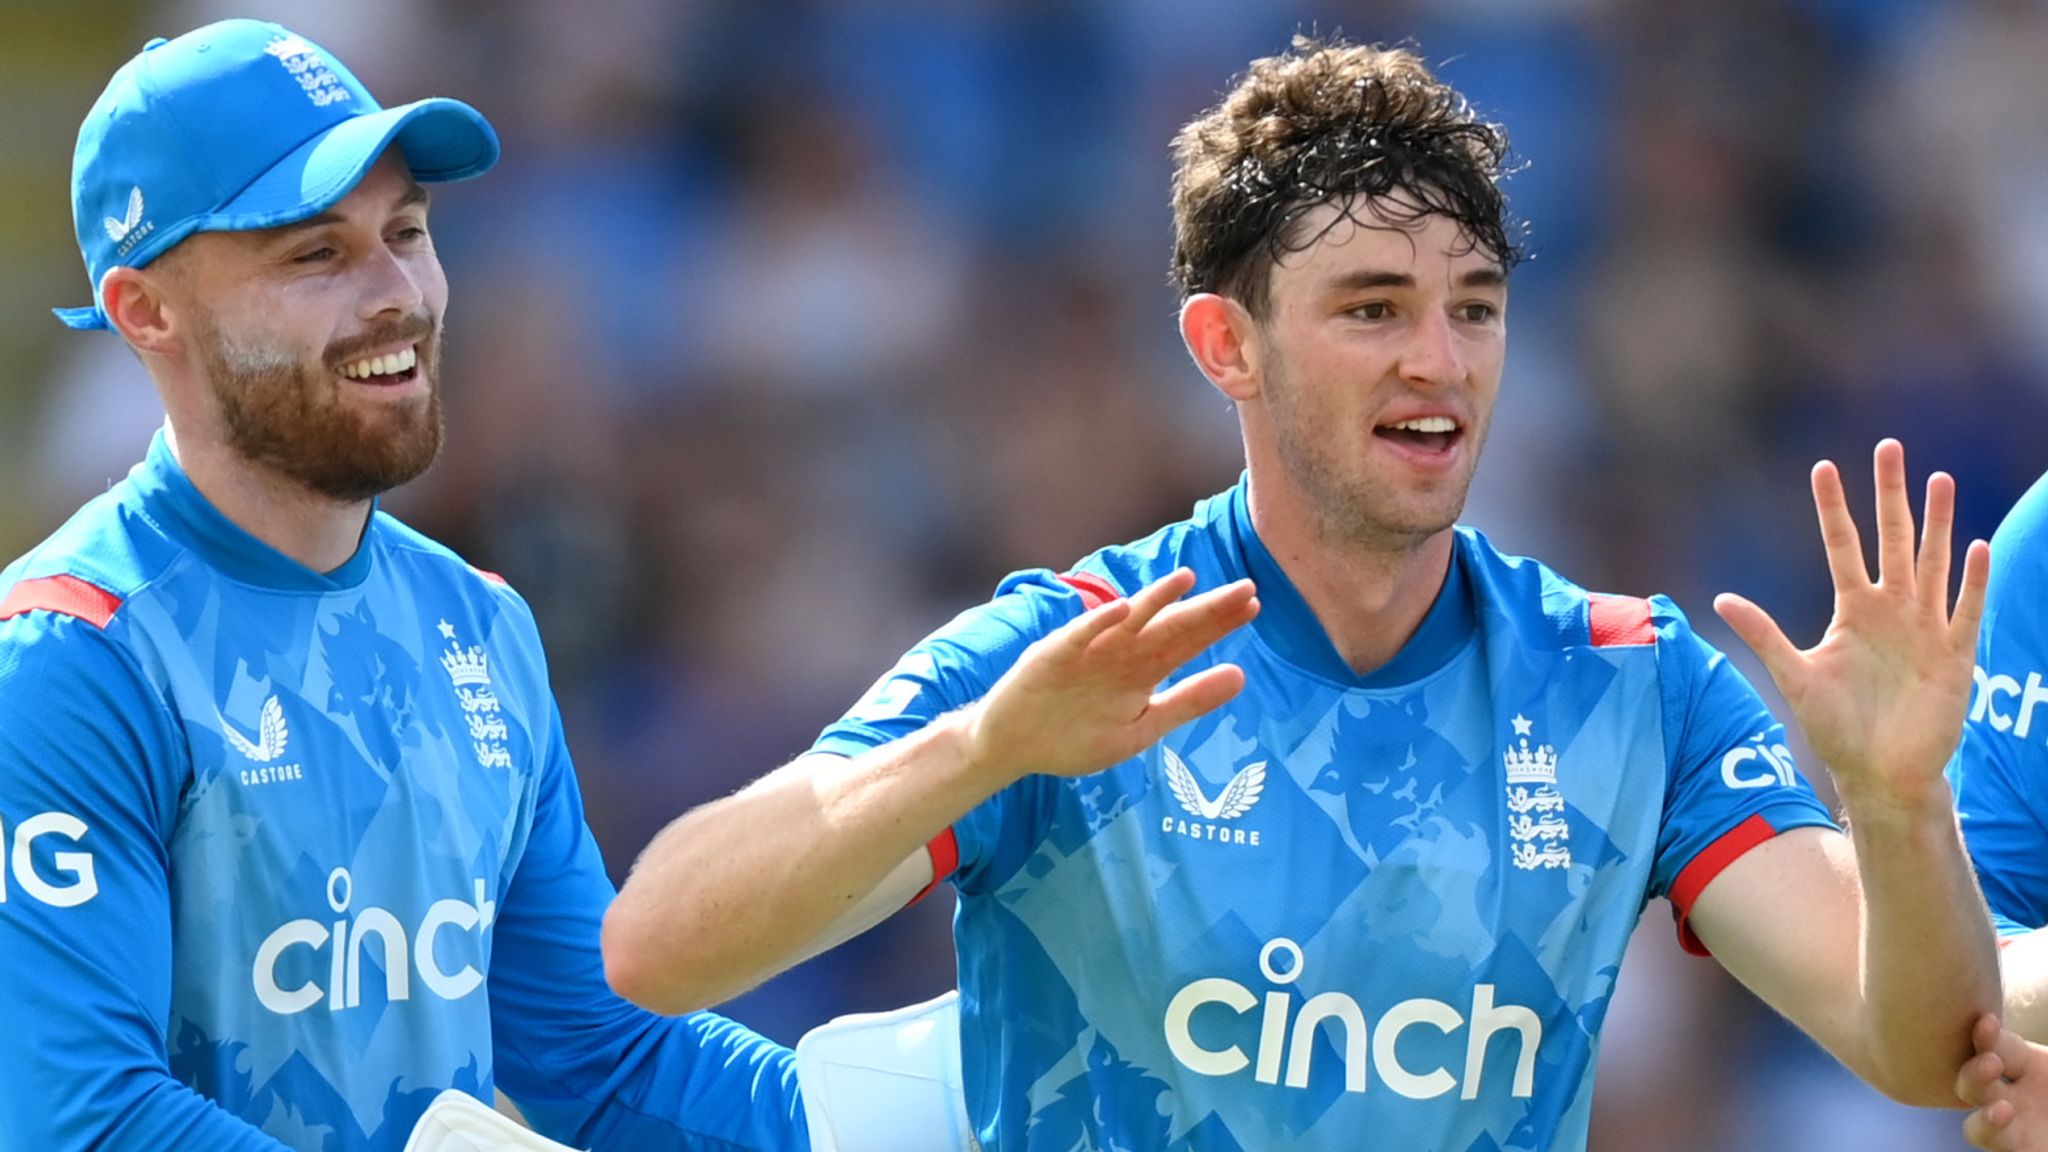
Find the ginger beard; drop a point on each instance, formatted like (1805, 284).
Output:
(297, 420)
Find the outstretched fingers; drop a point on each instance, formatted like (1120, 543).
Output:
(1074, 637)
(1153, 597)
(1970, 601)
(1838, 530)
(1144, 637)
(1895, 567)
(1129, 613)
(1183, 630)
(1764, 637)
(1936, 530)
(1206, 690)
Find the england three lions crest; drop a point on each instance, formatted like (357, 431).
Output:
(469, 670)
(1536, 823)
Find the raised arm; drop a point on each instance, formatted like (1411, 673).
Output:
(1877, 945)
(743, 887)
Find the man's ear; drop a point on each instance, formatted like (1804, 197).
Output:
(1224, 341)
(139, 306)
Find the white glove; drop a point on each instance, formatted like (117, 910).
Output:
(459, 1122)
(886, 1081)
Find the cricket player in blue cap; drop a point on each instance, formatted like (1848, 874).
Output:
(292, 841)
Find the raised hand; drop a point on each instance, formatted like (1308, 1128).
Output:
(2006, 1085)
(1881, 698)
(1085, 697)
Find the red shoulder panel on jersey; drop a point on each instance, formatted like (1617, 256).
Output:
(945, 853)
(1694, 878)
(1620, 621)
(493, 577)
(65, 595)
(1094, 590)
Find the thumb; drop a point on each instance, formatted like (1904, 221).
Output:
(1764, 637)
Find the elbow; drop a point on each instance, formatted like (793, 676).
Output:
(1926, 1084)
(624, 970)
(1920, 1091)
(636, 970)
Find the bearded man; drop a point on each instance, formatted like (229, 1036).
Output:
(293, 836)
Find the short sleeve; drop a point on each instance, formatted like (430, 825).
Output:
(1731, 784)
(949, 669)
(2000, 769)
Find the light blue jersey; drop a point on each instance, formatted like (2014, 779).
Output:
(1340, 912)
(2000, 771)
(287, 854)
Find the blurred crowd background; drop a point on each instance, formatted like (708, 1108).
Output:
(785, 329)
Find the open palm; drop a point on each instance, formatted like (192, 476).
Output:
(1881, 698)
(1087, 695)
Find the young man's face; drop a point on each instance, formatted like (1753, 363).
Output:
(320, 340)
(1382, 352)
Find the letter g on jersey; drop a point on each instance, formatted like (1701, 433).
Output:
(76, 882)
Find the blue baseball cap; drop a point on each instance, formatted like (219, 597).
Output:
(235, 126)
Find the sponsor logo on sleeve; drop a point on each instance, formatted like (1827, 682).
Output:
(71, 879)
(1758, 764)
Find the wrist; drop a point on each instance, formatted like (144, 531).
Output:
(1893, 806)
(979, 765)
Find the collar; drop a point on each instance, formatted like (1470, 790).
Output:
(167, 497)
(1288, 626)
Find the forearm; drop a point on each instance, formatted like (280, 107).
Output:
(135, 1111)
(84, 1068)
(1929, 960)
(746, 886)
(698, 1081)
(743, 887)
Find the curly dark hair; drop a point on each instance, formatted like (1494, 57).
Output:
(1329, 123)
